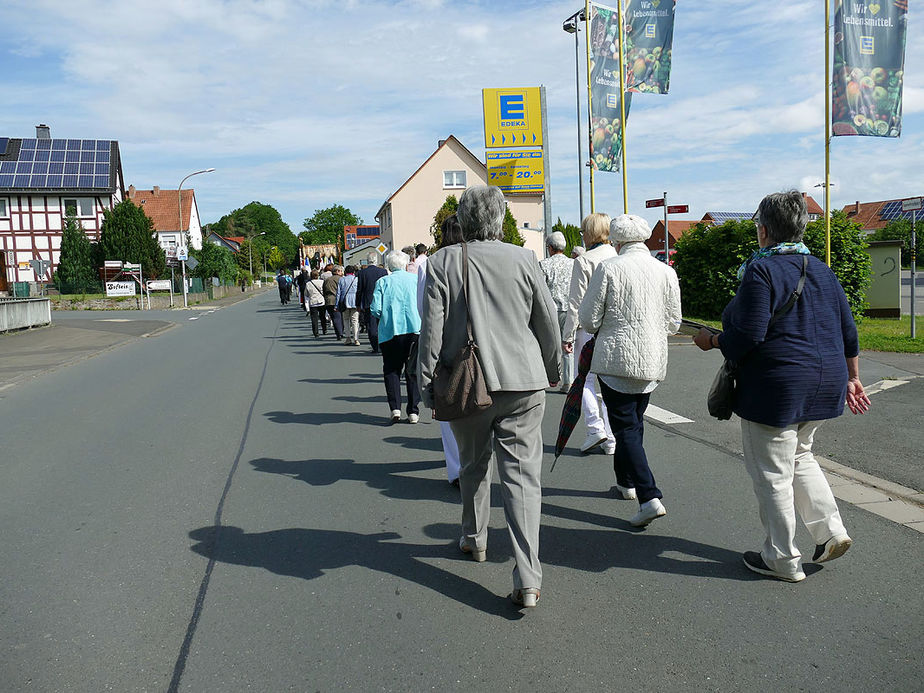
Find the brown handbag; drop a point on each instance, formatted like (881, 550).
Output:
(459, 388)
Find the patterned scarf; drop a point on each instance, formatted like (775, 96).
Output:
(778, 249)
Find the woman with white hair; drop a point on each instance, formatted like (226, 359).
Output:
(394, 303)
(557, 270)
(632, 304)
(595, 229)
(514, 326)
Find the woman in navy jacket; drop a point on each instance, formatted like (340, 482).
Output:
(791, 375)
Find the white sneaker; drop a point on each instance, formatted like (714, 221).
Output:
(413, 418)
(648, 511)
(627, 492)
(592, 441)
(609, 448)
(395, 415)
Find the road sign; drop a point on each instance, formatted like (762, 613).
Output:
(159, 285)
(182, 254)
(192, 263)
(131, 267)
(516, 171)
(678, 209)
(512, 117)
(120, 288)
(381, 247)
(39, 266)
(112, 264)
(654, 203)
(912, 204)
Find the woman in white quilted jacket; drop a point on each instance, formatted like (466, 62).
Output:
(632, 304)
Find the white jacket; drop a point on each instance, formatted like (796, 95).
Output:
(632, 304)
(581, 272)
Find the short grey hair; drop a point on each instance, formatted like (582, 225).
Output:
(372, 258)
(481, 213)
(396, 260)
(577, 251)
(784, 215)
(408, 250)
(556, 241)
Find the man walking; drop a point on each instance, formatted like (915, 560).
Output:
(368, 276)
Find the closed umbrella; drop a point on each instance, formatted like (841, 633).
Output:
(571, 412)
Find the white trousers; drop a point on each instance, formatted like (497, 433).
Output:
(595, 417)
(787, 480)
(567, 360)
(451, 450)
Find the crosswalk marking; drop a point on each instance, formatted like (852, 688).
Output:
(665, 416)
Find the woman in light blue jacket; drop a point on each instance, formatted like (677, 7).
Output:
(394, 303)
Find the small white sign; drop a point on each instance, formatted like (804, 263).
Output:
(159, 285)
(113, 264)
(912, 204)
(182, 254)
(120, 288)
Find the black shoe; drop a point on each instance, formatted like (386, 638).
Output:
(754, 561)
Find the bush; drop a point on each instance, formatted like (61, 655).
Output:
(215, 261)
(707, 262)
(76, 273)
(851, 263)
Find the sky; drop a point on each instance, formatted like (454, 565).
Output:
(302, 104)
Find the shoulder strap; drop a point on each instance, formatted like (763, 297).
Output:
(468, 316)
(786, 307)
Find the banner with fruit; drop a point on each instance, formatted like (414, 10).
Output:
(649, 38)
(869, 64)
(605, 116)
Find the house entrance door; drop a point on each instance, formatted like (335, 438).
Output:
(3, 282)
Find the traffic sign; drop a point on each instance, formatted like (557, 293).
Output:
(912, 204)
(381, 247)
(516, 171)
(182, 254)
(159, 285)
(678, 209)
(191, 263)
(654, 203)
(39, 267)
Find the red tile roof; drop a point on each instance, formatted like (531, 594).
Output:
(866, 214)
(161, 206)
(675, 228)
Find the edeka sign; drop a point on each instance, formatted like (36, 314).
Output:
(517, 171)
(512, 117)
(869, 67)
(605, 109)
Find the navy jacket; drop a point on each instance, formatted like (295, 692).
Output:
(796, 371)
(368, 276)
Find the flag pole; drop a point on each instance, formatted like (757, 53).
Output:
(827, 133)
(622, 106)
(590, 134)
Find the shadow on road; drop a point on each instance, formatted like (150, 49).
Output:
(309, 553)
(323, 418)
(386, 477)
(432, 444)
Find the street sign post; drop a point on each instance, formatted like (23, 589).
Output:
(913, 204)
(654, 203)
(678, 209)
(668, 209)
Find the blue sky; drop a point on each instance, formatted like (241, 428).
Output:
(302, 104)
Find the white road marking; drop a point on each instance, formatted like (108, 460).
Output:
(195, 318)
(113, 320)
(884, 385)
(665, 416)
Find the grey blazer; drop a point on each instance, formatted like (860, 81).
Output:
(514, 321)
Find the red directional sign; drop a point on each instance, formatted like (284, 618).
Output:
(678, 209)
(655, 203)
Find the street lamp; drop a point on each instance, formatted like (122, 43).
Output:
(572, 26)
(179, 208)
(250, 248)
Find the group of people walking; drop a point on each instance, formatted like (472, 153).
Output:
(789, 332)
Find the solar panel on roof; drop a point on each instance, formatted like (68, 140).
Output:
(4, 141)
(58, 163)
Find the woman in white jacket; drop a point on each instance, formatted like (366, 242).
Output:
(632, 304)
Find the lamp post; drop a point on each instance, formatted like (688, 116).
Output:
(250, 248)
(572, 26)
(179, 208)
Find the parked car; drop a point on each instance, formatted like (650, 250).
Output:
(659, 256)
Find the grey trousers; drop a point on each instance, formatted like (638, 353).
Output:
(511, 429)
(567, 360)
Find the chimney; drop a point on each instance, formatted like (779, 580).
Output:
(131, 191)
(856, 208)
(156, 190)
(440, 143)
(42, 132)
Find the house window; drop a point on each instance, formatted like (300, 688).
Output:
(453, 179)
(4, 208)
(79, 207)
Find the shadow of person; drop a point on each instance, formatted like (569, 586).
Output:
(387, 477)
(310, 553)
(630, 547)
(433, 444)
(319, 418)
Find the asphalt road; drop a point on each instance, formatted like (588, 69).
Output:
(919, 293)
(222, 507)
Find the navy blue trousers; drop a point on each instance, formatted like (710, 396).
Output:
(627, 419)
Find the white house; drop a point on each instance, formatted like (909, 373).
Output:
(405, 217)
(164, 209)
(41, 181)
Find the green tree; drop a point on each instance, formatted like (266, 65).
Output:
(450, 207)
(76, 271)
(215, 261)
(571, 232)
(127, 234)
(511, 233)
(276, 259)
(899, 230)
(850, 262)
(326, 225)
(254, 219)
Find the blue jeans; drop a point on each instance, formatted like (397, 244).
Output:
(627, 419)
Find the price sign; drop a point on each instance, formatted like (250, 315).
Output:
(516, 171)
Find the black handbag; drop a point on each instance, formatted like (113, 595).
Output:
(459, 387)
(722, 394)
